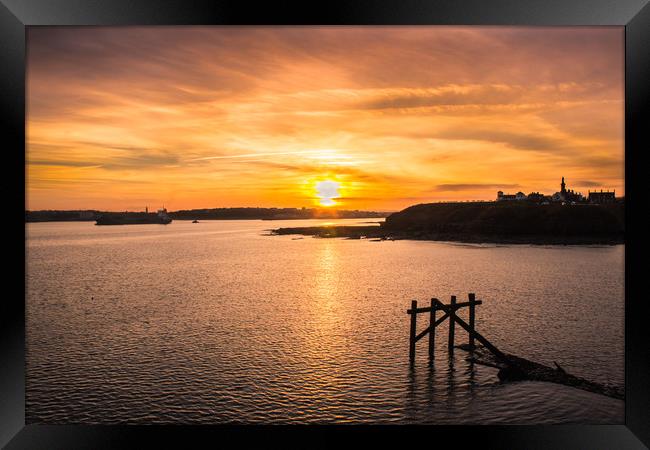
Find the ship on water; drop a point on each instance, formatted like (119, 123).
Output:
(135, 218)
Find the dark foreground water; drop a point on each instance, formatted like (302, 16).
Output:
(216, 322)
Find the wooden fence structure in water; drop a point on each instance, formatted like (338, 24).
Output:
(510, 367)
(449, 313)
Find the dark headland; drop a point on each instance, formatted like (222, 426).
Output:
(491, 222)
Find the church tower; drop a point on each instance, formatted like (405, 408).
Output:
(563, 186)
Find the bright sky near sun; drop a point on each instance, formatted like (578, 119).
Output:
(374, 118)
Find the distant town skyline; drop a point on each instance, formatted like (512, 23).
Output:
(368, 118)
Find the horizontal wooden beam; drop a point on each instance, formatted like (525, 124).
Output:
(464, 304)
(437, 322)
(440, 306)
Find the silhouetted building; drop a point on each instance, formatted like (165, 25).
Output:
(535, 197)
(566, 195)
(602, 197)
(501, 197)
(519, 196)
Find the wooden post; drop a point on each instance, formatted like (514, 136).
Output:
(472, 312)
(452, 323)
(414, 305)
(432, 328)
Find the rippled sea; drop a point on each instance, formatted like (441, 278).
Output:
(217, 322)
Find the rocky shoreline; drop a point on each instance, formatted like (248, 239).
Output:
(490, 222)
(379, 233)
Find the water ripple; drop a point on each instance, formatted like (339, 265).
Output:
(176, 324)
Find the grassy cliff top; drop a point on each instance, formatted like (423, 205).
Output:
(510, 218)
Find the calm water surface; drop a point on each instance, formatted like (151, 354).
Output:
(216, 322)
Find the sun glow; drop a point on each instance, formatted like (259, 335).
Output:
(275, 117)
(327, 191)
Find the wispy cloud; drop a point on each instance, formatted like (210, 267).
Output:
(256, 155)
(474, 186)
(520, 140)
(588, 183)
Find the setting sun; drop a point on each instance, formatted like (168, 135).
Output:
(327, 191)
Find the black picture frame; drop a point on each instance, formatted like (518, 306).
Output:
(16, 15)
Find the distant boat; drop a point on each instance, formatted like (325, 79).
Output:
(134, 218)
(195, 221)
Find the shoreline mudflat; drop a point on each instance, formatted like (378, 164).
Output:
(377, 232)
(491, 222)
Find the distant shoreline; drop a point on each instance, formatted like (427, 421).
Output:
(214, 219)
(243, 213)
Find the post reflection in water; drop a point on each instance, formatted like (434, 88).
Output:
(450, 397)
(430, 388)
(411, 406)
(470, 372)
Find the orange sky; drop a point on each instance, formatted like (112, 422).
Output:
(203, 117)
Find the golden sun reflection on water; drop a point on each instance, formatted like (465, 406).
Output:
(326, 284)
(330, 319)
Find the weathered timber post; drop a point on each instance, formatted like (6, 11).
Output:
(452, 323)
(432, 328)
(472, 313)
(414, 306)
